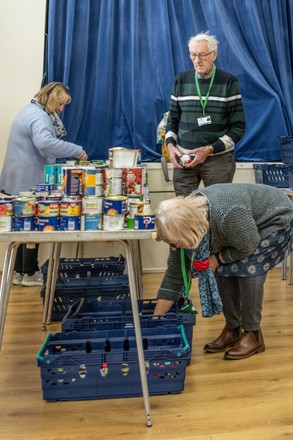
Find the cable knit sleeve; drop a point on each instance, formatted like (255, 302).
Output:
(172, 282)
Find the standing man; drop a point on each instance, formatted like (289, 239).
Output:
(206, 120)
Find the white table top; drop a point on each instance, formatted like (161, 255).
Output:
(74, 236)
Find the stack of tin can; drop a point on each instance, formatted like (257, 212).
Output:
(89, 197)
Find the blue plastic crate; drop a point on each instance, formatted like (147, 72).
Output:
(87, 267)
(95, 315)
(70, 290)
(286, 146)
(272, 174)
(104, 364)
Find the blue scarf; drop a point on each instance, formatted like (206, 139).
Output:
(210, 300)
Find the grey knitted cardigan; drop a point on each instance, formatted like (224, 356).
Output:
(240, 215)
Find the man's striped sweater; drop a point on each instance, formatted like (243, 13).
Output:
(224, 106)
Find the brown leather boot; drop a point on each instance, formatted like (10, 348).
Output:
(226, 339)
(247, 346)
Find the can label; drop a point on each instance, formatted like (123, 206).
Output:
(44, 187)
(70, 223)
(92, 205)
(24, 207)
(142, 221)
(5, 223)
(6, 208)
(132, 181)
(89, 181)
(113, 222)
(47, 224)
(91, 222)
(70, 207)
(115, 205)
(48, 208)
(99, 176)
(24, 223)
(50, 174)
(112, 181)
(72, 181)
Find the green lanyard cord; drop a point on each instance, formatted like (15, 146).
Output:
(204, 102)
(187, 282)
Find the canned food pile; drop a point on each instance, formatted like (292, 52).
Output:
(85, 196)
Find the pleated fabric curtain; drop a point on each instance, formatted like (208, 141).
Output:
(120, 57)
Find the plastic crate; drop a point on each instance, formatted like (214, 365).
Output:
(272, 174)
(87, 267)
(286, 146)
(94, 315)
(104, 364)
(70, 290)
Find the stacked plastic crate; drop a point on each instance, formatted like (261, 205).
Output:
(87, 278)
(95, 355)
(279, 175)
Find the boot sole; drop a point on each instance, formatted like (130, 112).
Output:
(261, 349)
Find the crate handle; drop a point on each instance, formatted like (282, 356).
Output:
(187, 346)
(40, 356)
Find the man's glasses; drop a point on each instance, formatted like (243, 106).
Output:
(200, 56)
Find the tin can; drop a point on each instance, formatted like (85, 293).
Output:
(114, 205)
(44, 187)
(24, 223)
(70, 207)
(91, 222)
(89, 181)
(5, 223)
(6, 206)
(48, 208)
(24, 207)
(142, 221)
(72, 181)
(70, 223)
(47, 224)
(50, 174)
(113, 222)
(112, 181)
(92, 205)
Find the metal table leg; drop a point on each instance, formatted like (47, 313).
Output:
(135, 249)
(48, 287)
(56, 258)
(6, 279)
(284, 269)
(133, 295)
(291, 268)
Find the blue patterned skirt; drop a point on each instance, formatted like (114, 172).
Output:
(271, 251)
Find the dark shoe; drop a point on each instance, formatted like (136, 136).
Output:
(247, 346)
(226, 339)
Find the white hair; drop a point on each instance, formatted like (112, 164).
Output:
(205, 36)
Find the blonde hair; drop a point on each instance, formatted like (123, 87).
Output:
(182, 221)
(51, 93)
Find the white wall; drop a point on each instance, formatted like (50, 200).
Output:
(22, 24)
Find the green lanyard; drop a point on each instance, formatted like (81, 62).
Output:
(187, 282)
(204, 102)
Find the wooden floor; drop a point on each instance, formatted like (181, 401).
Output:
(250, 399)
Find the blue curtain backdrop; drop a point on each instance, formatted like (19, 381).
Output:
(119, 58)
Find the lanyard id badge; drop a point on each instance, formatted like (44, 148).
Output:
(204, 120)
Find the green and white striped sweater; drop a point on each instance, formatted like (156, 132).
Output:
(224, 106)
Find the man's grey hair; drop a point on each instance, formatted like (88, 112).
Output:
(205, 36)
